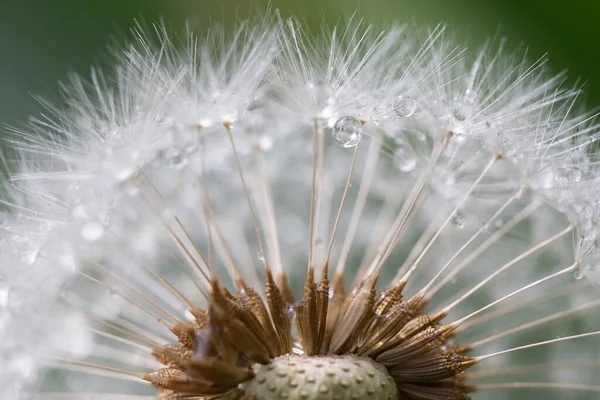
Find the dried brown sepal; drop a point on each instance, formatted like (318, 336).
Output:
(221, 350)
(383, 329)
(322, 308)
(217, 371)
(200, 315)
(285, 288)
(167, 378)
(334, 309)
(186, 333)
(254, 303)
(430, 338)
(279, 314)
(236, 334)
(433, 366)
(172, 355)
(306, 316)
(353, 321)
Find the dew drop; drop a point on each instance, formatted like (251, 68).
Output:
(92, 231)
(573, 174)
(404, 160)
(175, 158)
(347, 131)
(184, 138)
(461, 111)
(289, 311)
(405, 106)
(577, 273)
(412, 266)
(260, 256)
(458, 219)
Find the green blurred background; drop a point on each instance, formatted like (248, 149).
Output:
(42, 40)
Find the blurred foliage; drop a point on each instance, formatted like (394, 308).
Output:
(41, 40)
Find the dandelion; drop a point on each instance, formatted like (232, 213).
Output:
(272, 215)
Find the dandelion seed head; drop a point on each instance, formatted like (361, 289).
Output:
(380, 210)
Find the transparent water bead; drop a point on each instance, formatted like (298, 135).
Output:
(175, 158)
(405, 160)
(185, 138)
(462, 110)
(405, 106)
(573, 174)
(578, 273)
(347, 131)
(458, 219)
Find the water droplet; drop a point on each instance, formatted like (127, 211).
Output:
(577, 273)
(186, 139)
(92, 231)
(175, 158)
(113, 293)
(458, 219)
(412, 266)
(404, 160)
(289, 311)
(260, 256)
(405, 106)
(461, 111)
(573, 174)
(347, 131)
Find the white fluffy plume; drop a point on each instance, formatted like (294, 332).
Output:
(465, 166)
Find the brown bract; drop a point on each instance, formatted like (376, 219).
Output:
(221, 349)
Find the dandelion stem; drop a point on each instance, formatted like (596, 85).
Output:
(339, 213)
(359, 205)
(97, 369)
(483, 228)
(271, 224)
(240, 172)
(159, 319)
(518, 305)
(456, 208)
(532, 368)
(573, 267)
(125, 332)
(134, 290)
(507, 227)
(313, 185)
(532, 324)
(206, 204)
(508, 265)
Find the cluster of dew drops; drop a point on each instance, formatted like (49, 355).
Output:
(348, 131)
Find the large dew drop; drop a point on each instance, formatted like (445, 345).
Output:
(347, 131)
(405, 106)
